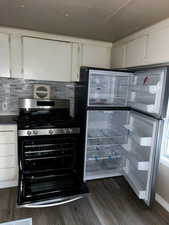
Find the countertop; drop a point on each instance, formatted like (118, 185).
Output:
(11, 119)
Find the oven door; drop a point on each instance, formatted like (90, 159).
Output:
(49, 172)
(49, 191)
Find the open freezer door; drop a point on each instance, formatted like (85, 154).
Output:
(147, 91)
(142, 154)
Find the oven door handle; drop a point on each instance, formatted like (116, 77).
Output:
(46, 204)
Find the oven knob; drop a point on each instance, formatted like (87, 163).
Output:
(70, 130)
(29, 132)
(65, 130)
(51, 132)
(35, 132)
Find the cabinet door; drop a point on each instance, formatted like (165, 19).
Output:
(75, 62)
(8, 156)
(4, 56)
(46, 59)
(135, 52)
(118, 56)
(96, 56)
(141, 155)
(147, 91)
(158, 46)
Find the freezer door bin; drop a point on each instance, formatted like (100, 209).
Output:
(148, 92)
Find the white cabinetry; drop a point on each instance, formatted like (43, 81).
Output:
(118, 56)
(37, 56)
(46, 59)
(75, 62)
(95, 56)
(16, 56)
(130, 54)
(136, 52)
(158, 46)
(146, 47)
(8, 156)
(4, 55)
(60, 61)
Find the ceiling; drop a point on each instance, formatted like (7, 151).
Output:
(107, 20)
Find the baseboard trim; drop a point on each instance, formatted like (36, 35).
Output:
(162, 202)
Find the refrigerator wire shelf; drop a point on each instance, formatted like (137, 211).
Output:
(104, 157)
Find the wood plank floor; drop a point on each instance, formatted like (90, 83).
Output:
(110, 202)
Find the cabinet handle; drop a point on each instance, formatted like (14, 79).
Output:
(46, 204)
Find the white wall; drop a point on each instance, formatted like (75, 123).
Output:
(163, 182)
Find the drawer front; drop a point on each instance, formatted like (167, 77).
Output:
(8, 174)
(8, 162)
(12, 127)
(8, 137)
(7, 149)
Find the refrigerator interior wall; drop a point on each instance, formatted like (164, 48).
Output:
(105, 135)
(108, 88)
(146, 92)
(140, 152)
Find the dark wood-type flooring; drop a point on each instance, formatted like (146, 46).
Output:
(110, 202)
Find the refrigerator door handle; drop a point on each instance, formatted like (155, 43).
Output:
(50, 203)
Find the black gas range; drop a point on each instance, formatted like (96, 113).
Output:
(51, 159)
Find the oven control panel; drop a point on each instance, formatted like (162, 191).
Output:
(54, 131)
(64, 131)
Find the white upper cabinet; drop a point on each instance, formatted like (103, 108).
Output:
(96, 56)
(36, 56)
(75, 62)
(136, 52)
(16, 56)
(4, 55)
(158, 46)
(118, 56)
(146, 47)
(47, 59)
(130, 53)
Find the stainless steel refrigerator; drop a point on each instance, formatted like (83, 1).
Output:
(122, 116)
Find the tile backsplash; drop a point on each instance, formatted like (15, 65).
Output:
(13, 89)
